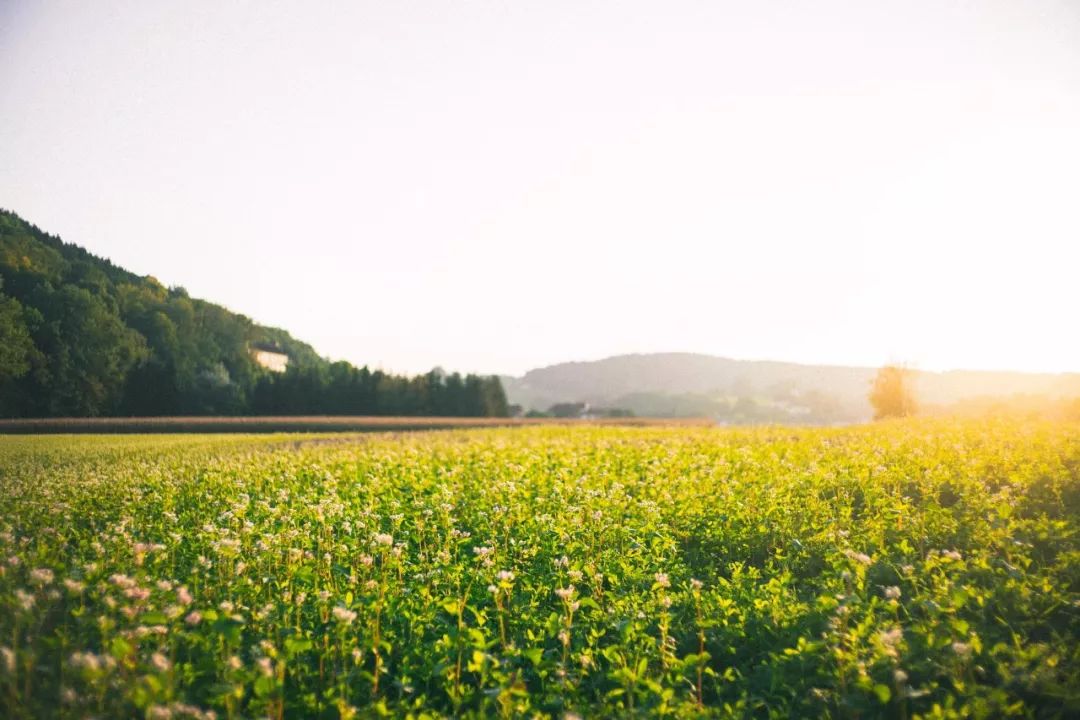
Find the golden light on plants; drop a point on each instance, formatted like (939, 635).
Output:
(567, 572)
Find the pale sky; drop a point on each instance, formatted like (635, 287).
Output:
(496, 186)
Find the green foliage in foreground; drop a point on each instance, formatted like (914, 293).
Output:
(904, 570)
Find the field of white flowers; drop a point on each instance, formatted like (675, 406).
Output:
(915, 569)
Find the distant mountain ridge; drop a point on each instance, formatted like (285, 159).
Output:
(682, 384)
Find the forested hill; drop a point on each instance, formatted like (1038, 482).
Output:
(80, 336)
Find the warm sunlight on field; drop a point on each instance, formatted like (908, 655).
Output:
(540, 360)
(910, 569)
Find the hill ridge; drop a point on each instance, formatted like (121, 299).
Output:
(81, 336)
(691, 383)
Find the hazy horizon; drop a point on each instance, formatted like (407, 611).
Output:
(493, 187)
(788, 361)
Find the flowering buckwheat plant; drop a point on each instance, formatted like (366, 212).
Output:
(921, 568)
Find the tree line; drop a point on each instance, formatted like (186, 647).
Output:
(82, 337)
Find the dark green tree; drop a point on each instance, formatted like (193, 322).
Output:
(81, 336)
(16, 345)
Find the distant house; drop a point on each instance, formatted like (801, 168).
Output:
(270, 357)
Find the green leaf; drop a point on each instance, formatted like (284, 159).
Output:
(264, 686)
(119, 648)
(296, 645)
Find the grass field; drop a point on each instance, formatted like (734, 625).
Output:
(916, 569)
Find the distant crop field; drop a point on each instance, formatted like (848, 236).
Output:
(304, 423)
(911, 569)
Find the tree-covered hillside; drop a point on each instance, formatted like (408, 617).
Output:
(80, 336)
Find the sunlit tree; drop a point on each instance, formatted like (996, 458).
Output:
(893, 393)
